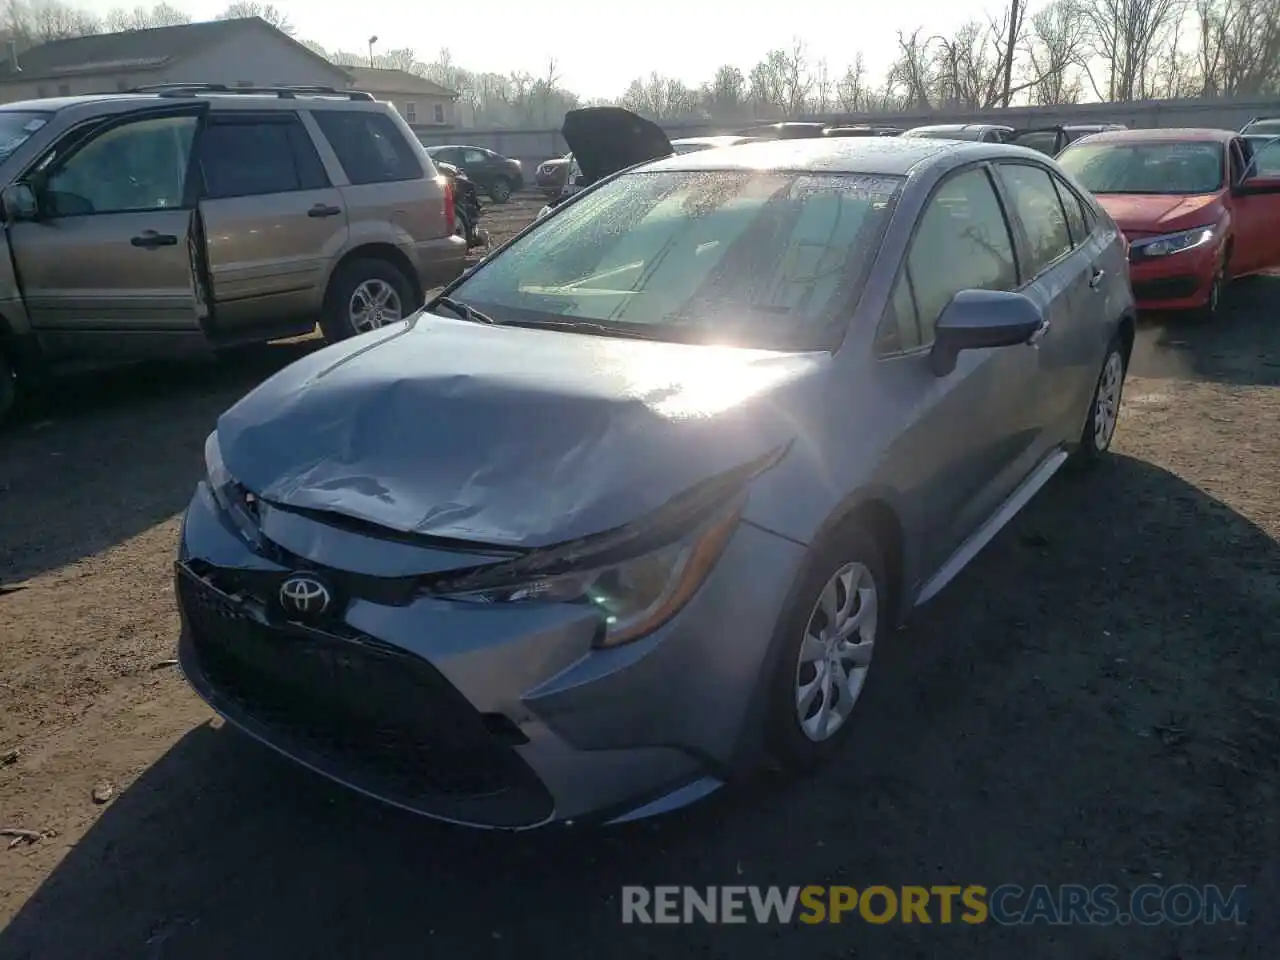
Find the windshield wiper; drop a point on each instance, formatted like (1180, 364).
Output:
(630, 331)
(463, 310)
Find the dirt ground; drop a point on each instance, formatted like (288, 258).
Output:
(1095, 700)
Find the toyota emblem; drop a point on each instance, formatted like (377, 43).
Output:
(303, 596)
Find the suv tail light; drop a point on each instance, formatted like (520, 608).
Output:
(450, 206)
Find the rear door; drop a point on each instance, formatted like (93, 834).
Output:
(1058, 274)
(273, 223)
(107, 270)
(966, 448)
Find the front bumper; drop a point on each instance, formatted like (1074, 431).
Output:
(1180, 281)
(499, 716)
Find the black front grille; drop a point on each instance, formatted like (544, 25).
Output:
(368, 713)
(1165, 288)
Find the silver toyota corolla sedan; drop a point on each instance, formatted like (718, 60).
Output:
(628, 509)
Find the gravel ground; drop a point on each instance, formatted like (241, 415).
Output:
(1095, 700)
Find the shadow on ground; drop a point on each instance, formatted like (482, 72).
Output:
(103, 457)
(1241, 348)
(1055, 717)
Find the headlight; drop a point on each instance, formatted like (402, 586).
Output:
(237, 503)
(1172, 243)
(634, 596)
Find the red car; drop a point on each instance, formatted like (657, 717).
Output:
(1191, 204)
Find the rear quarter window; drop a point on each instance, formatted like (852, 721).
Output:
(370, 146)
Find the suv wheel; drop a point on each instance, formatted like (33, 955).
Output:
(365, 295)
(500, 192)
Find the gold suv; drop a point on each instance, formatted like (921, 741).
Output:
(145, 224)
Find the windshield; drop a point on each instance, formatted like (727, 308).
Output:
(1164, 167)
(17, 126)
(757, 258)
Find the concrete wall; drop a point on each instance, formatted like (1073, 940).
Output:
(532, 146)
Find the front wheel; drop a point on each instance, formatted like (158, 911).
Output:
(365, 295)
(828, 638)
(1104, 411)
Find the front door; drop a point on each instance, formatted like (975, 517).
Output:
(1256, 245)
(273, 223)
(961, 455)
(107, 270)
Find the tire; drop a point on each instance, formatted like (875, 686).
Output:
(1213, 307)
(8, 389)
(852, 556)
(1096, 439)
(500, 190)
(372, 277)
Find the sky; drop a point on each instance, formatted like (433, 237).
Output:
(599, 53)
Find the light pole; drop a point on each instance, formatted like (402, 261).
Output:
(372, 41)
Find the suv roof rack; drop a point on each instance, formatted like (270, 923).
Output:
(284, 93)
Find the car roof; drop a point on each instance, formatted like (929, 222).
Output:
(1164, 134)
(457, 146)
(940, 127)
(234, 99)
(728, 138)
(888, 156)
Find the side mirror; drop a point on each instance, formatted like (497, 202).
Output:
(19, 202)
(976, 319)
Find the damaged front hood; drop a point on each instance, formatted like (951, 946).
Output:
(605, 140)
(507, 436)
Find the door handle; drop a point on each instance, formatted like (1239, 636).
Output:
(1096, 280)
(1039, 332)
(323, 210)
(150, 239)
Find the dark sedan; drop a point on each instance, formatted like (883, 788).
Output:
(494, 174)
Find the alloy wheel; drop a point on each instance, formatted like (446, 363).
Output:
(1106, 411)
(835, 652)
(374, 303)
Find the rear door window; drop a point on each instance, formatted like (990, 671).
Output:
(369, 146)
(246, 157)
(1074, 208)
(1035, 202)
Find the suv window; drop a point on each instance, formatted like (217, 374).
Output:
(474, 156)
(962, 242)
(1036, 203)
(254, 156)
(1045, 141)
(369, 146)
(132, 167)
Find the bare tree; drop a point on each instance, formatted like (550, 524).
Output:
(1012, 34)
(725, 96)
(1126, 34)
(546, 88)
(121, 20)
(55, 20)
(795, 80)
(970, 66)
(851, 88)
(1057, 41)
(822, 88)
(269, 12)
(1239, 46)
(915, 69)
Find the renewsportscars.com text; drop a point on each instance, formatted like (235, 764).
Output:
(1008, 904)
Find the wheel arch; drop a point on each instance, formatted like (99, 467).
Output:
(873, 511)
(379, 250)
